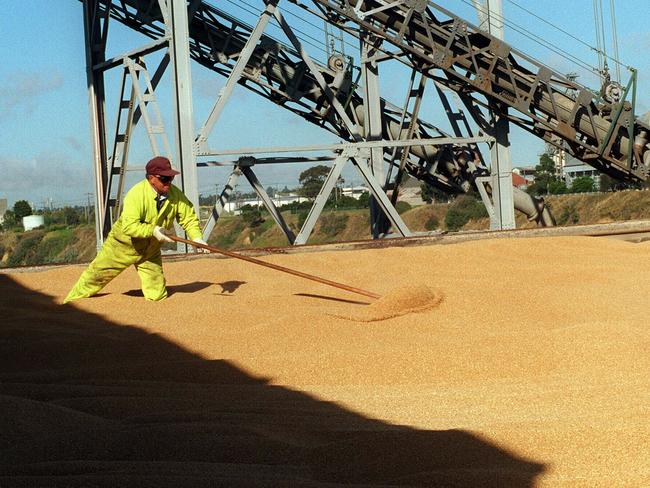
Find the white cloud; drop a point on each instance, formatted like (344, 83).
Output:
(20, 90)
(45, 176)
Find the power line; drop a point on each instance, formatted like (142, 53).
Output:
(550, 23)
(547, 44)
(301, 37)
(599, 35)
(600, 49)
(615, 39)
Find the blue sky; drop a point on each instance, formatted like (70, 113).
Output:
(46, 151)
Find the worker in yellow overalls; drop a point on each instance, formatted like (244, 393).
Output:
(149, 208)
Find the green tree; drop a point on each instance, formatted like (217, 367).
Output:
(431, 194)
(464, 209)
(431, 223)
(9, 220)
(546, 163)
(583, 184)
(206, 200)
(402, 207)
(545, 177)
(71, 216)
(557, 187)
(364, 200)
(312, 179)
(607, 183)
(252, 216)
(22, 209)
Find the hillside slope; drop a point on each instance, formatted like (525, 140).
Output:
(67, 245)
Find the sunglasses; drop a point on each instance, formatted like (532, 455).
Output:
(164, 179)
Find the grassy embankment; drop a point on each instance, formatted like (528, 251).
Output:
(65, 245)
(58, 244)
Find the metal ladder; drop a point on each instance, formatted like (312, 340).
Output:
(140, 103)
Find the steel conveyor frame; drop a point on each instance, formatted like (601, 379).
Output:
(480, 68)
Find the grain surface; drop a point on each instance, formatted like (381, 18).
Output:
(518, 363)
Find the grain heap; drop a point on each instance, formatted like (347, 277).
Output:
(532, 371)
(401, 301)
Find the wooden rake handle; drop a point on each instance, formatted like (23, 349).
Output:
(278, 268)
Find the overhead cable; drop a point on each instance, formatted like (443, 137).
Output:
(599, 38)
(615, 39)
(547, 44)
(298, 31)
(550, 24)
(600, 35)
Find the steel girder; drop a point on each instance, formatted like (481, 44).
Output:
(487, 71)
(320, 94)
(278, 73)
(323, 95)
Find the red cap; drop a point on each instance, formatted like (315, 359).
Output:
(161, 166)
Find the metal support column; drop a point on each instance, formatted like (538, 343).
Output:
(501, 173)
(491, 16)
(321, 200)
(221, 202)
(501, 167)
(372, 129)
(179, 50)
(268, 202)
(95, 28)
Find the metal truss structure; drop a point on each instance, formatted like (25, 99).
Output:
(494, 83)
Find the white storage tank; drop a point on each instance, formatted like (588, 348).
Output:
(32, 221)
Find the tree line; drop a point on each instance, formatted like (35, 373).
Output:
(70, 216)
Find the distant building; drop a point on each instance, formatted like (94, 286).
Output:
(558, 155)
(519, 181)
(235, 205)
(569, 168)
(353, 191)
(574, 168)
(525, 172)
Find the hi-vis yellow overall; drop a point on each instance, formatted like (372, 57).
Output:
(131, 242)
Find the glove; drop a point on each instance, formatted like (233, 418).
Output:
(198, 240)
(159, 233)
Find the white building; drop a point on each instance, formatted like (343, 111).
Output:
(33, 221)
(353, 191)
(526, 172)
(574, 168)
(234, 206)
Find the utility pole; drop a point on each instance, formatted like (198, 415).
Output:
(87, 212)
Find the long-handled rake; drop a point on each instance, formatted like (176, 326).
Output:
(278, 268)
